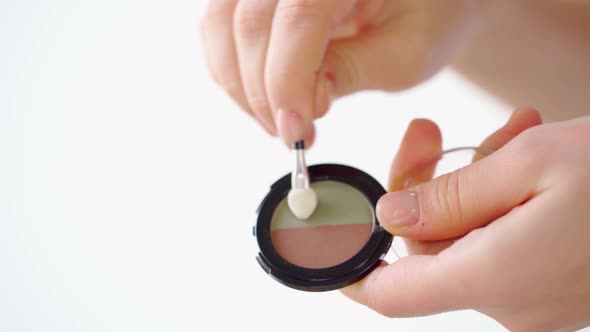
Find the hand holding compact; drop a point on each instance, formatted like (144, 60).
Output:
(506, 235)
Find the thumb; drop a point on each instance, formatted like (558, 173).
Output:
(416, 285)
(456, 203)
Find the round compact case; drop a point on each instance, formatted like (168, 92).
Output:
(338, 245)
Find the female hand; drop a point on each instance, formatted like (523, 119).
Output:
(283, 61)
(506, 235)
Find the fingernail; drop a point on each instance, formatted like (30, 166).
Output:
(398, 208)
(290, 126)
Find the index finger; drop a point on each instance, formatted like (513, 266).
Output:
(300, 33)
(420, 144)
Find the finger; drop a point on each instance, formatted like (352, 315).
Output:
(404, 50)
(220, 51)
(421, 143)
(287, 121)
(221, 55)
(521, 120)
(413, 286)
(252, 27)
(456, 203)
(366, 14)
(300, 33)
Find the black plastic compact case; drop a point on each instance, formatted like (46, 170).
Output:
(339, 245)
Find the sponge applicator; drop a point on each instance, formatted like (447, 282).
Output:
(302, 199)
(302, 202)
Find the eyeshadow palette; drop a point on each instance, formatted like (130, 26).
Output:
(338, 245)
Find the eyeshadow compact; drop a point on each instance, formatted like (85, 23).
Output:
(338, 244)
(317, 229)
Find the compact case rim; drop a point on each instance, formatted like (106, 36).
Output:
(331, 278)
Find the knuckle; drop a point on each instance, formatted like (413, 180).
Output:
(348, 75)
(446, 199)
(455, 188)
(217, 12)
(532, 148)
(412, 63)
(541, 153)
(294, 12)
(247, 22)
(259, 104)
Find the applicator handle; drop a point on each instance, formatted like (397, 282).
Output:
(299, 145)
(300, 176)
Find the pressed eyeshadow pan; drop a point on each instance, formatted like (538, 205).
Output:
(338, 229)
(337, 245)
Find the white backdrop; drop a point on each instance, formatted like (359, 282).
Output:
(128, 181)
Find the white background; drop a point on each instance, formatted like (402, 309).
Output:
(128, 181)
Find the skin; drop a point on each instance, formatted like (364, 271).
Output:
(283, 61)
(546, 42)
(513, 247)
(483, 231)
